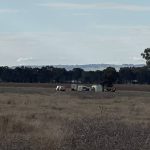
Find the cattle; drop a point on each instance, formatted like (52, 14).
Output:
(97, 88)
(60, 88)
(83, 88)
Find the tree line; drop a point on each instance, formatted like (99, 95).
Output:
(49, 74)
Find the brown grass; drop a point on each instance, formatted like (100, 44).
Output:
(125, 87)
(98, 133)
(131, 87)
(39, 118)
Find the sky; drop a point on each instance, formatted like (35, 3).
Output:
(54, 32)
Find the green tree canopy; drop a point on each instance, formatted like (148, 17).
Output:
(110, 74)
(146, 56)
(77, 73)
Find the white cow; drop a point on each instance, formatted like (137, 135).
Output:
(60, 88)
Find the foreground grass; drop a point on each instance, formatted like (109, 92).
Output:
(39, 118)
(95, 134)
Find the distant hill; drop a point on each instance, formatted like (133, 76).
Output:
(90, 67)
(94, 67)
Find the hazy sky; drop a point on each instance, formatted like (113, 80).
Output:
(47, 32)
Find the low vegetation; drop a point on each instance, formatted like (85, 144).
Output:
(95, 134)
(40, 118)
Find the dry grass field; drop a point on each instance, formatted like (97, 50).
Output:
(39, 118)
